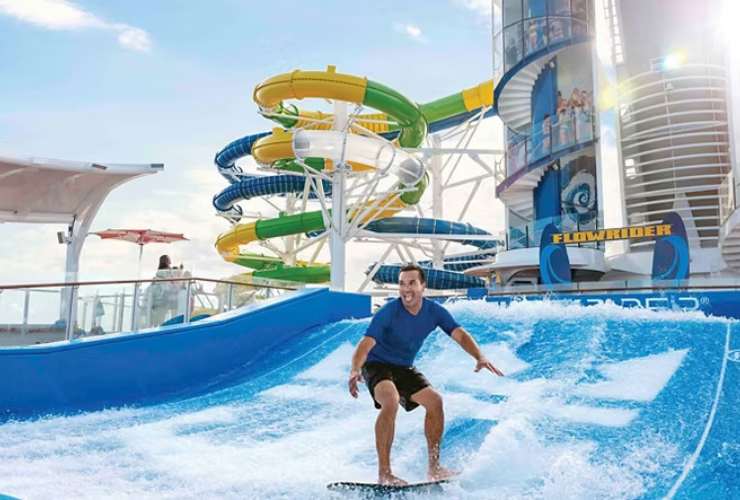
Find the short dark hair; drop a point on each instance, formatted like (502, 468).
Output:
(164, 262)
(414, 267)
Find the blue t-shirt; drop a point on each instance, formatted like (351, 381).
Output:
(399, 334)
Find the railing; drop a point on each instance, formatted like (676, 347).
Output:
(727, 201)
(576, 218)
(520, 39)
(572, 127)
(34, 314)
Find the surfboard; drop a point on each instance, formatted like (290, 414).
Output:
(386, 489)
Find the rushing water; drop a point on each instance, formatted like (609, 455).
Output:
(598, 402)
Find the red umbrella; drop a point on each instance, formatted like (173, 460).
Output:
(140, 237)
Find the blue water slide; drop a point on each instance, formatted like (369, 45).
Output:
(245, 187)
(437, 279)
(462, 262)
(226, 159)
(419, 225)
(440, 279)
(254, 186)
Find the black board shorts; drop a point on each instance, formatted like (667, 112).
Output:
(407, 379)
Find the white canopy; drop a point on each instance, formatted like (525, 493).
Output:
(58, 191)
(47, 191)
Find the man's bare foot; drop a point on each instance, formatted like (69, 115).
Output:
(391, 480)
(440, 473)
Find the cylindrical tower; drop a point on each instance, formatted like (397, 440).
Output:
(675, 147)
(674, 123)
(544, 95)
(616, 113)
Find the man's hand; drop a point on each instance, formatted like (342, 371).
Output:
(354, 377)
(484, 363)
(358, 360)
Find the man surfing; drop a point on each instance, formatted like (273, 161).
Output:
(384, 358)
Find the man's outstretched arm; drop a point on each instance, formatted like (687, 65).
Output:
(358, 359)
(468, 343)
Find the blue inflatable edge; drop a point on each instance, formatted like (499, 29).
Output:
(162, 364)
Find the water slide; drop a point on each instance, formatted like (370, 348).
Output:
(593, 405)
(450, 277)
(399, 119)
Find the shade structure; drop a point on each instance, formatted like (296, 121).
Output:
(50, 191)
(53, 191)
(140, 237)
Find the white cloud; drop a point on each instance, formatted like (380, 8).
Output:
(482, 10)
(52, 14)
(134, 38)
(481, 7)
(412, 31)
(65, 15)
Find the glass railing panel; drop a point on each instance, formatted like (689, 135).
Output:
(559, 29)
(729, 282)
(579, 10)
(538, 144)
(531, 152)
(498, 56)
(519, 237)
(41, 314)
(513, 46)
(105, 308)
(572, 126)
(44, 305)
(530, 36)
(557, 287)
(563, 131)
(516, 158)
(12, 307)
(535, 35)
(558, 7)
(584, 124)
(30, 316)
(726, 197)
(529, 234)
(255, 290)
(163, 302)
(598, 285)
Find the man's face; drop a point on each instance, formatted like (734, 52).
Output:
(410, 288)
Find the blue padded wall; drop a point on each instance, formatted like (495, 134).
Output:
(165, 363)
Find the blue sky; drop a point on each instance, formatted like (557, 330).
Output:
(171, 82)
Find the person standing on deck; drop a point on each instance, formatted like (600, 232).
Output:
(384, 359)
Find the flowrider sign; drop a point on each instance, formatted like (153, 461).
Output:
(621, 233)
(670, 256)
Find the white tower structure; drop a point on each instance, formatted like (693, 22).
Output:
(616, 113)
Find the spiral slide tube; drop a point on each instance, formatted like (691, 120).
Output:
(441, 279)
(280, 148)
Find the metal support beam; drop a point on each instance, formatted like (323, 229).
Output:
(338, 216)
(435, 167)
